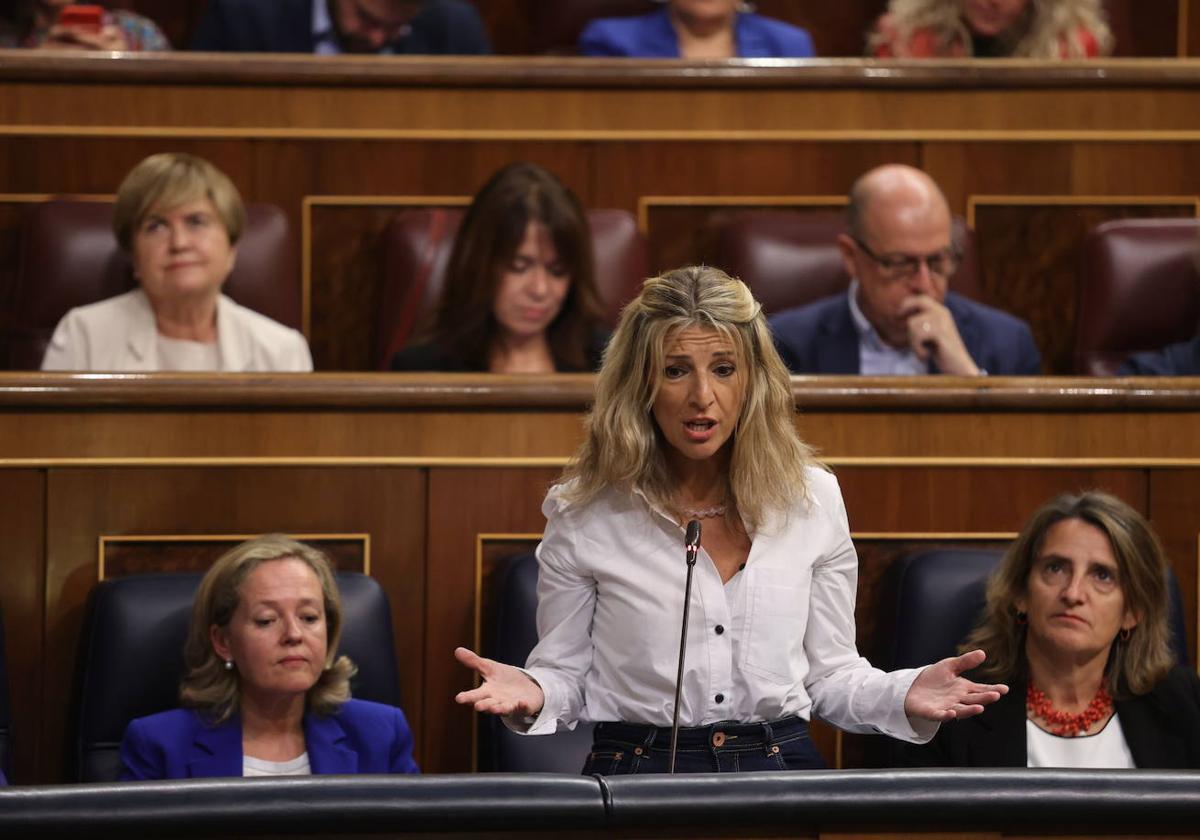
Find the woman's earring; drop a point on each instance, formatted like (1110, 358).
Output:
(228, 664)
(1022, 618)
(1125, 633)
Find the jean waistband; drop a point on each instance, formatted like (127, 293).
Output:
(727, 733)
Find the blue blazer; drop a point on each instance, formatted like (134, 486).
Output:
(361, 737)
(821, 337)
(443, 27)
(652, 36)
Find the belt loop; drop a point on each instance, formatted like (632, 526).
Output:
(768, 737)
(648, 741)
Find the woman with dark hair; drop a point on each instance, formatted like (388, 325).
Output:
(266, 693)
(1076, 625)
(520, 291)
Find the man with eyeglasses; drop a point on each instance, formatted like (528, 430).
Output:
(330, 27)
(898, 317)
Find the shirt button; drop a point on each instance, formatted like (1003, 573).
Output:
(719, 629)
(720, 698)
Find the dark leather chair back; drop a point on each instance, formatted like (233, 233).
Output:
(132, 660)
(5, 711)
(69, 257)
(940, 596)
(789, 258)
(515, 634)
(417, 249)
(1140, 290)
(556, 24)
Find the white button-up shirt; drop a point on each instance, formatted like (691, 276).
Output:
(777, 640)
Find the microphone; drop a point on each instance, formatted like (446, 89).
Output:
(691, 542)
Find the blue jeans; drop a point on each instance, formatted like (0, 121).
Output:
(622, 749)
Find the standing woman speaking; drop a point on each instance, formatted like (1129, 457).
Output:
(694, 420)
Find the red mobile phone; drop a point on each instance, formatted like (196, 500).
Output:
(89, 18)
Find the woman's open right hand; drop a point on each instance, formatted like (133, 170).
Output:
(505, 689)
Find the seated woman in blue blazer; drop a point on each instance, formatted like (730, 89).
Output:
(265, 693)
(696, 29)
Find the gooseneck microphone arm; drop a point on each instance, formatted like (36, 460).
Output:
(691, 548)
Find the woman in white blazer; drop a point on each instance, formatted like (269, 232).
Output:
(179, 219)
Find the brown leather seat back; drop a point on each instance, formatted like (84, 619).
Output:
(1139, 290)
(416, 251)
(790, 258)
(556, 24)
(69, 257)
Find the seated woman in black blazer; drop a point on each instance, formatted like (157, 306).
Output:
(520, 292)
(1076, 625)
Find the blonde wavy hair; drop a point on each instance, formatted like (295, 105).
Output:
(1049, 26)
(1135, 665)
(215, 691)
(623, 447)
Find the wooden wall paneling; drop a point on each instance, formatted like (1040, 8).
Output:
(343, 276)
(463, 504)
(1144, 29)
(837, 29)
(685, 230)
(969, 500)
(142, 554)
(1175, 515)
(626, 172)
(85, 504)
(22, 609)
(1189, 28)
(1030, 250)
(1049, 436)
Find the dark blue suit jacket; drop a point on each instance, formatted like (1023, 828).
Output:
(821, 337)
(652, 36)
(443, 27)
(1182, 359)
(361, 737)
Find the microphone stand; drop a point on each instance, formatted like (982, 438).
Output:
(692, 548)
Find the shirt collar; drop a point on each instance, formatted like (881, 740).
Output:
(324, 38)
(866, 333)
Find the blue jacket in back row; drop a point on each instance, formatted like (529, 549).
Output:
(653, 36)
(360, 737)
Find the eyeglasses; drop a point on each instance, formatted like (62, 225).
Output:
(903, 266)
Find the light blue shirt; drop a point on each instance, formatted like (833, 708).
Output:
(875, 356)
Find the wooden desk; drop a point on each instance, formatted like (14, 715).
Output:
(445, 474)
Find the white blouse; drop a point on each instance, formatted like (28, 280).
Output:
(778, 640)
(1106, 748)
(297, 766)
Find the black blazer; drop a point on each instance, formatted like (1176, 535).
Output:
(443, 27)
(1162, 729)
(434, 357)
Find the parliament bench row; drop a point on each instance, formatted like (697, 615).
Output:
(1138, 286)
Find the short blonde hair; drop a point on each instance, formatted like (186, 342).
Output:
(623, 445)
(1134, 666)
(167, 180)
(212, 689)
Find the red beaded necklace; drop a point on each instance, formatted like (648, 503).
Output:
(1038, 705)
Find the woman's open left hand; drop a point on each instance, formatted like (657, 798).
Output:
(940, 692)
